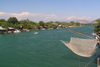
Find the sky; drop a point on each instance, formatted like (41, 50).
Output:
(50, 10)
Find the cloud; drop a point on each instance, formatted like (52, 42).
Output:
(28, 15)
(72, 17)
(85, 17)
(1, 13)
(79, 18)
(50, 16)
(42, 16)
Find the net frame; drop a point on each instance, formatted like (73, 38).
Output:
(81, 48)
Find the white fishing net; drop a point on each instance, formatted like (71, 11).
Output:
(82, 47)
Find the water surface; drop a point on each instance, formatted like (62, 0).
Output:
(44, 49)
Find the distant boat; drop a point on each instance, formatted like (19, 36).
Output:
(43, 29)
(93, 33)
(35, 32)
(17, 31)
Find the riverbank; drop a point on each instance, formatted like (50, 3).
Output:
(21, 29)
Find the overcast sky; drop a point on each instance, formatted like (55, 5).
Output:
(50, 10)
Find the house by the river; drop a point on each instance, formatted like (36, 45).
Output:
(3, 30)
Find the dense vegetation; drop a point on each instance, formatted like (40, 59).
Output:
(27, 24)
(97, 26)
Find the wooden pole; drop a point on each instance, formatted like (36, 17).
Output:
(79, 33)
(84, 33)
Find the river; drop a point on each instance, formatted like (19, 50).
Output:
(44, 49)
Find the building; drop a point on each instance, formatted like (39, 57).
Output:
(3, 30)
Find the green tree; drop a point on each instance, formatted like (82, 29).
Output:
(17, 26)
(54, 24)
(38, 25)
(2, 20)
(1, 23)
(49, 24)
(77, 24)
(41, 23)
(29, 26)
(72, 22)
(32, 23)
(12, 20)
(59, 23)
(5, 24)
(24, 23)
(97, 26)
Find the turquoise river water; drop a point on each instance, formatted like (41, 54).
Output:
(43, 49)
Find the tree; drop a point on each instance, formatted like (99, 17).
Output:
(29, 26)
(38, 25)
(12, 20)
(77, 24)
(5, 25)
(59, 23)
(55, 24)
(72, 22)
(0, 23)
(49, 24)
(32, 23)
(24, 23)
(41, 23)
(16, 26)
(2, 20)
(97, 26)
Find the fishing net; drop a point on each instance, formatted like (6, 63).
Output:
(82, 47)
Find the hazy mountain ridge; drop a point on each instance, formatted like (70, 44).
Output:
(85, 21)
(94, 21)
(82, 21)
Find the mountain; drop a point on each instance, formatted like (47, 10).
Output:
(82, 21)
(94, 21)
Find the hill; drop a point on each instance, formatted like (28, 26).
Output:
(82, 21)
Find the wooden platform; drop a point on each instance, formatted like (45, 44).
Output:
(98, 62)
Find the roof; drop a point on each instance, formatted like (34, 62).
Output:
(2, 28)
(10, 28)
